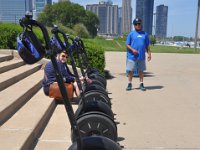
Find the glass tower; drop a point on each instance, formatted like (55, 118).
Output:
(126, 16)
(108, 17)
(13, 10)
(161, 21)
(144, 10)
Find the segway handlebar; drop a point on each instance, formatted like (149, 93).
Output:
(27, 23)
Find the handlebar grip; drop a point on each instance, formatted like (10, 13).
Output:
(26, 22)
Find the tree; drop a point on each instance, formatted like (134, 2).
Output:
(81, 30)
(91, 22)
(152, 39)
(69, 14)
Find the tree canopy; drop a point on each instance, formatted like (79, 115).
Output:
(69, 14)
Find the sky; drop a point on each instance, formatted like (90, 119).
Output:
(181, 14)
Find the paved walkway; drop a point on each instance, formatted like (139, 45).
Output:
(167, 115)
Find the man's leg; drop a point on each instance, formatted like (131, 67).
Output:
(129, 67)
(130, 77)
(142, 67)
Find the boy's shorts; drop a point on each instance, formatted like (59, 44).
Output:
(139, 65)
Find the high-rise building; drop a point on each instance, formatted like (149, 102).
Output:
(108, 16)
(144, 10)
(126, 16)
(12, 10)
(39, 6)
(120, 20)
(161, 21)
(49, 2)
(62, 0)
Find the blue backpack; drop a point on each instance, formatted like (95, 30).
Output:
(29, 47)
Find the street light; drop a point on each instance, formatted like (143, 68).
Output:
(197, 23)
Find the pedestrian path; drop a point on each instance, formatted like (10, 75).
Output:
(167, 115)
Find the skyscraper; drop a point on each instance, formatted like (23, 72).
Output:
(39, 6)
(49, 2)
(144, 10)
(12, 10)
(120, 20)
(161, 21)
(108, 16)
(126, 16)
(62, 0)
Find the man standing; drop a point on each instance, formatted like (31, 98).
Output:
(137, 44)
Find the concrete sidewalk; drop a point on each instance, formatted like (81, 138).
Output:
(167, 115)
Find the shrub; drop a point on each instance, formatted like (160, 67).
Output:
(95, 54)
(81, 30)
(9, 33)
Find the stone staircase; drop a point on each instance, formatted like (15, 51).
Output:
(28, 118)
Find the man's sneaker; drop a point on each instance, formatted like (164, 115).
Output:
(129, 87)
(142, 87)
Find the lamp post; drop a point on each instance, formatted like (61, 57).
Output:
(197, 23)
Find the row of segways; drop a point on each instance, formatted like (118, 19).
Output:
(94, 114)
(93, 126)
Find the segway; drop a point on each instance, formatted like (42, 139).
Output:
(92, 73)
(92, 92)
(90, 108)
(84, 143)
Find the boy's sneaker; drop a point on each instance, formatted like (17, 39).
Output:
(142, 87)
(129, 87)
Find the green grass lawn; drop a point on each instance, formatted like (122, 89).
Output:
(119, 45)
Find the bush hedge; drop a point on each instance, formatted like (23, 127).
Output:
(96, 55)
(10, 31)
(8, 34)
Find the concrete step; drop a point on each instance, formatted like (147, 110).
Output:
(11, 64)
(13, 76)
(18, 94)
(4, 57)
(57, 133)
(23, 129)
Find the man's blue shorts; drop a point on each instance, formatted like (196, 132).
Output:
(134, 65)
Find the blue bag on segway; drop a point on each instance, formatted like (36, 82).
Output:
(29, 47)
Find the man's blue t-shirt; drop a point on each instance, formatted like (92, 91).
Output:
(139, 41)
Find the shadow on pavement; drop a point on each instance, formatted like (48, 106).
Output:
(157, 87)
(108, 76)
(146, 74)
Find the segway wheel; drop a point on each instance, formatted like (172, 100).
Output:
(96, 123)
(98, 77)
(97, 96)
(96, 143)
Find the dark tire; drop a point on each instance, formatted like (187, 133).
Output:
(98, 77)
(97, 96)
(95, 123)
(96, 143)
(93, 87)
(97, 82)
(91, 105)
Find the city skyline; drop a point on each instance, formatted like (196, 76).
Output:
(181, 14)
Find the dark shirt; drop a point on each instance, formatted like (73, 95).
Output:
(50, 76)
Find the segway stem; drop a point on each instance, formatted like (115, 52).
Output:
(26, 22)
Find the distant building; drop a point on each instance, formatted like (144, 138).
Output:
(49, 2)
(108, 17)
(126, 16)
(13, 10)
(120, 20)
(62, 0)
(144, 10)
(39, 6)
(161, 21)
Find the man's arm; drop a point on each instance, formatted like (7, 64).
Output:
(149, 53)
(132, 49)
